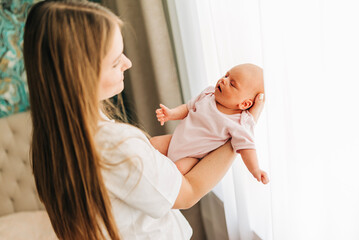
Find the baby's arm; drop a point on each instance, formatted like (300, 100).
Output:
(249, 157)
(165, 114)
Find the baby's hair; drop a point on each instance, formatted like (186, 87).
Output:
(254, 74)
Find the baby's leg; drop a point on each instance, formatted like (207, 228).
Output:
(184, 165)
(161, 143)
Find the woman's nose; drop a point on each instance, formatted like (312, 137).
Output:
(127, 63)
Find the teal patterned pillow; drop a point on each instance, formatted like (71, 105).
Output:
(13, 86)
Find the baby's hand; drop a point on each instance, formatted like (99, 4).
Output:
(163, 114)
(261, 176)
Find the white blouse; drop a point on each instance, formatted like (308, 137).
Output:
(143, 185)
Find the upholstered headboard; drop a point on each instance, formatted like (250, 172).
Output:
(17, 185)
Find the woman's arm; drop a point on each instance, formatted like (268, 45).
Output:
(204, 176)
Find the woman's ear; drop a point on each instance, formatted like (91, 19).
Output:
(246, 104)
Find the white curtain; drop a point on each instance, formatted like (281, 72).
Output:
(307, 137)
(311, 53)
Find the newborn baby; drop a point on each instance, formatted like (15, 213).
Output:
(218, 114)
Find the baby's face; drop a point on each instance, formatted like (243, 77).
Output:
(239, 86)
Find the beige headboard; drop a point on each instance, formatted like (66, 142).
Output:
(17, 185)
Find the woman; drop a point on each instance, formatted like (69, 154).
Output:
(99, 179)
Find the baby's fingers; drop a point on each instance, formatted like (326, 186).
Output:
(258, 178)
(161, 119)
(160, 115)
(265, 178)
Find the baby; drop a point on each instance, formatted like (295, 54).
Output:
(216, 115)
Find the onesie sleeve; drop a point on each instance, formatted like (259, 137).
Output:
(192, 102)
(243, 135)
(138, 174)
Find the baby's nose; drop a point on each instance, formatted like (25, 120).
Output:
(224, 80)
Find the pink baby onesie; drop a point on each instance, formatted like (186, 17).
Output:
(206, 128)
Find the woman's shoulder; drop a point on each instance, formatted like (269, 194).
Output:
(113, 132)
(119, 141)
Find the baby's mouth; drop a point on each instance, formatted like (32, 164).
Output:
(219, 88)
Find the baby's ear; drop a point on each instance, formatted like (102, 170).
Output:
(246, 104)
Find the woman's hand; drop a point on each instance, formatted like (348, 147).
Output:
(257, 107)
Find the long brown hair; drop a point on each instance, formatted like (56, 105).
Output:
(64, 44)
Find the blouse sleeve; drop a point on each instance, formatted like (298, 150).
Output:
(139, 175)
